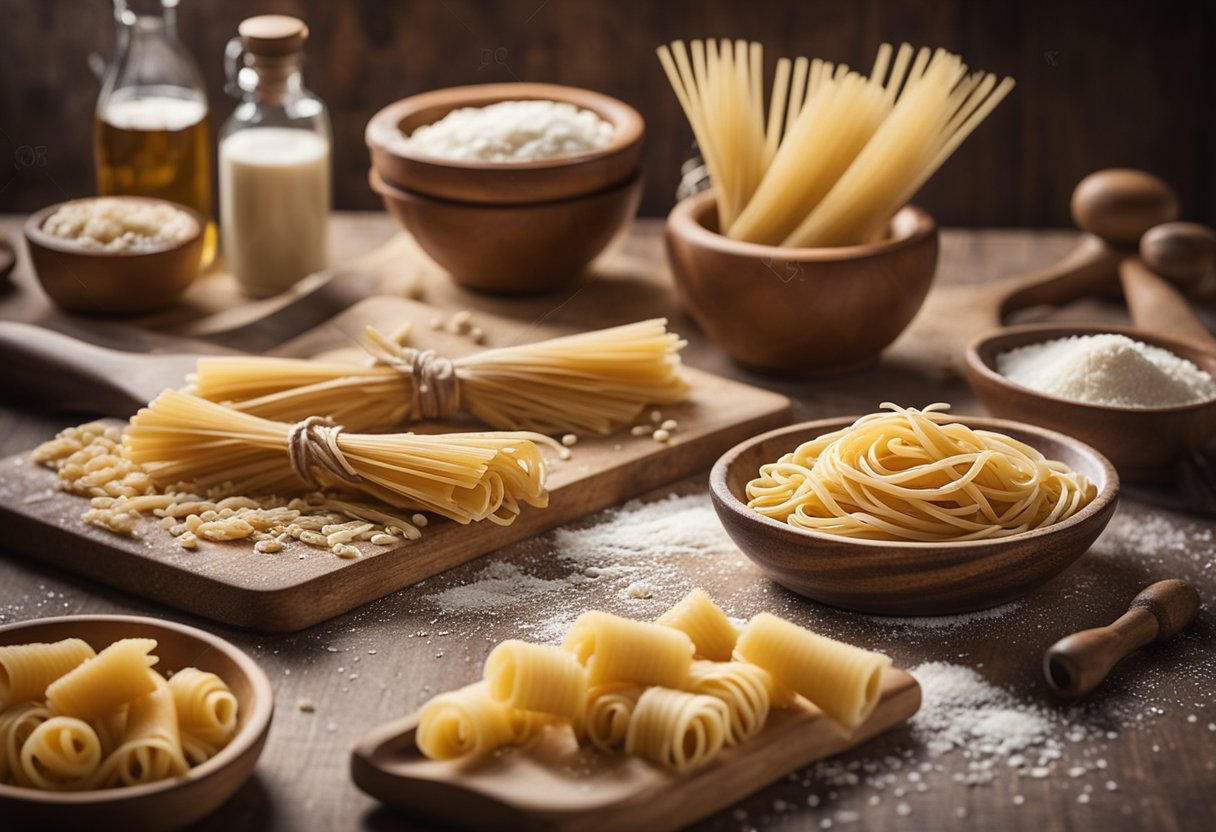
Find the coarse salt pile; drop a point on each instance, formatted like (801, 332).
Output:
(120, 225)
(1107, 369)
(513, 131)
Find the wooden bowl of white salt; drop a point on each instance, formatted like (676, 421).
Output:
(1144, 436)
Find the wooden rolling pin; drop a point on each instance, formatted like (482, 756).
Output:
(1078, 663)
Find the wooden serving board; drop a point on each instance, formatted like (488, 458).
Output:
(552, 784)
(303, 585)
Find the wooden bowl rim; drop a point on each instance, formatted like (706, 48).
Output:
(385, 124)
(720, 489)
(35, 235)
(687, 220)
(983, 349)
(392, 190)
(256, 723)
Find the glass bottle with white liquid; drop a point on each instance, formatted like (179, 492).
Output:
(274, 159)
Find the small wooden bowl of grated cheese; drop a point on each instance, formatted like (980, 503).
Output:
(117, 255)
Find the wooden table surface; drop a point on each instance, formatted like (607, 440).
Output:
(1148, 759)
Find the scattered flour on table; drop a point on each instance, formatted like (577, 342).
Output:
(894, 623)
(499, 584)
(642, 553)
(960, 709)
(638, 533)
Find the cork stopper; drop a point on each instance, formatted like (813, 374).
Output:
(273, 35)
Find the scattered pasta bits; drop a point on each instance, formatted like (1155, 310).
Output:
(676, 691)
(72, 719)
(90, 463)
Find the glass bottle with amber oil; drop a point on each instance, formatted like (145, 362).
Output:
(151, 134)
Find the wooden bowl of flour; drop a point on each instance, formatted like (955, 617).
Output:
(1142, 442)
(503, 183)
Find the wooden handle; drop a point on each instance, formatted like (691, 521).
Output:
(53, 370)
(1156, 306)
(1090, 268)
(1078, 663)
(8, 258)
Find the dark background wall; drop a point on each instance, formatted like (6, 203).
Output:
(1100, 82)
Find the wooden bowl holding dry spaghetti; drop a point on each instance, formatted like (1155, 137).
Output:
(911, 577)
(808, 258)
(800, 312)
(165, 804)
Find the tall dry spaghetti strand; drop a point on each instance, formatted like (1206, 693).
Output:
(592, 382)
(916, 475)
(180, 438)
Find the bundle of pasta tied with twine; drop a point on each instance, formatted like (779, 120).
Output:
(595, 382)
(180, 438)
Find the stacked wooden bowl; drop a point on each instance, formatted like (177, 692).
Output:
(509, 228)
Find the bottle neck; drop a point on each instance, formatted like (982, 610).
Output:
(273, 81)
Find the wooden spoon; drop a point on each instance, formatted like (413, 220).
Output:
(65, 374)
(1078, 663)
(1113, 207)
(8, 258)
(1173, 255)
(1181, 252)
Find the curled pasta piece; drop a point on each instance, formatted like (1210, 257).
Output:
(609, 709)
(61, 754)
(151, 748)
(537, 677)
(110, 730)
(678, 730)
(468, 722)
(746, 689)
(703, 621)
(27, 669)
(206, 712)
(16, 725)
(843, 680)
(615, 649)
(100, 685)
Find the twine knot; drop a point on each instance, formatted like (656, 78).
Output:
(312, 446)
(436, 387)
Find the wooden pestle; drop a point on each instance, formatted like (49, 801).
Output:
(1078, 663)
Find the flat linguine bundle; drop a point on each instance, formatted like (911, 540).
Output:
(594, 382)
(464, 476)
(914, 475)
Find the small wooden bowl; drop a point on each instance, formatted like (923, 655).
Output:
(169, 804)
(906, 578)
(496, 182)
(800, 312)
(513, 249)
(1141, 442)
(111, 282)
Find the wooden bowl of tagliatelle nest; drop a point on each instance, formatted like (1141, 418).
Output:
(171, 803)
(905, 577)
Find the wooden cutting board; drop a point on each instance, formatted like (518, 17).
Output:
(302, 585)
(552, 784)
